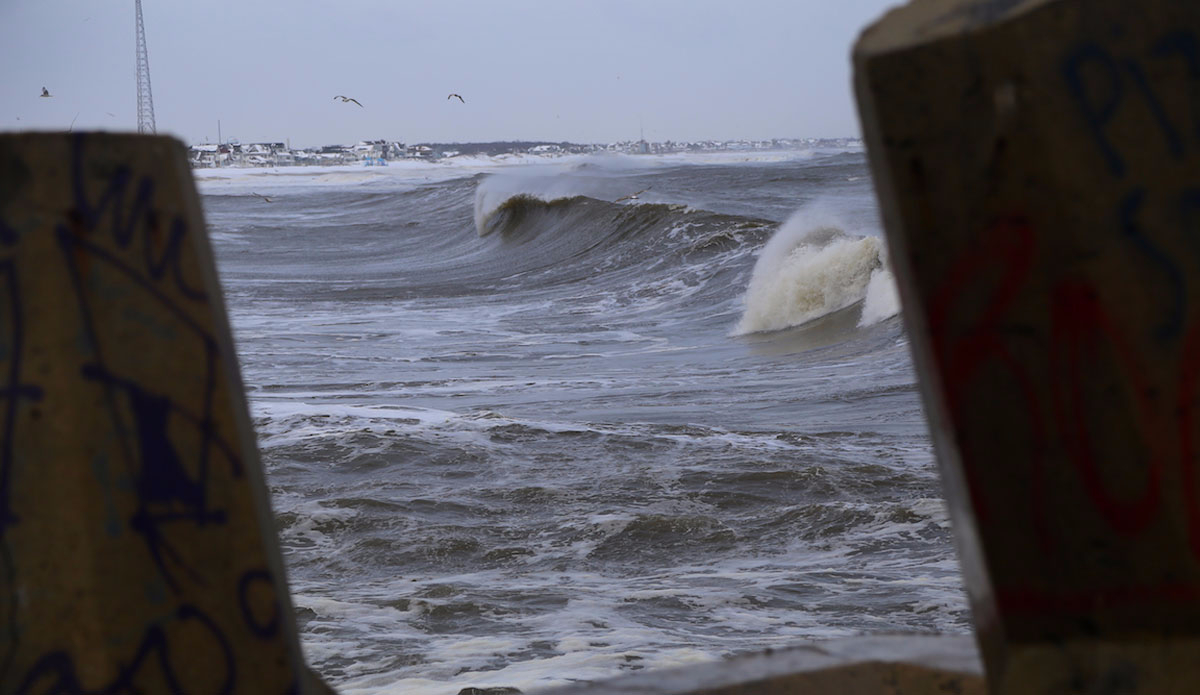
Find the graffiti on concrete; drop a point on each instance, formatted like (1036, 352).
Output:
(124, 493)
(1024, 309)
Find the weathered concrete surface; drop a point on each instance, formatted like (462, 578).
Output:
(137, 552)
(874, 665)
(1038, 168)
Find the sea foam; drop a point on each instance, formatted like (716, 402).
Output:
(811, 267)
(882, 300)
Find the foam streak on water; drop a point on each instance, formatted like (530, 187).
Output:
(518, 433)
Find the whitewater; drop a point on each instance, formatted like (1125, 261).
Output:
(518, 434)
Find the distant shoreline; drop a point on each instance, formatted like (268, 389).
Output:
(380, 152)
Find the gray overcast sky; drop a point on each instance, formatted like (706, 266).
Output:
(583, 71)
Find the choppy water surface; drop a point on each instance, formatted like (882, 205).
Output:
(518, 434)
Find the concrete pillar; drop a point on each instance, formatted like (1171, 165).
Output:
(1038, 169)
(137, 551)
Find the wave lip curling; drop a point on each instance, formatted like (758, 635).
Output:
(811, 268)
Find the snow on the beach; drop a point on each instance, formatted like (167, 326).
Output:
(411, 172)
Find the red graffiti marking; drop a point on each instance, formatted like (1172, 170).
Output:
(1008, 243)
(1081, 327)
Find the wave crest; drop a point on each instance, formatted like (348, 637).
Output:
(810, 268)
(506, 216)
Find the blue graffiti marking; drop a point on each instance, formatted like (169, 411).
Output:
(1096, 82)
(1184, 44)
(1097, 110)
(8, 235)
(1128, 210)
(1173, 141)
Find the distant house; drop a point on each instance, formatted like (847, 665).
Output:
(374, 152)
(368, 148)
(335, 154)
(259, 154)
(394, 150)
(203, 156)
(304, 156)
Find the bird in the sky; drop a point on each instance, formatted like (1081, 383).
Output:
(265, 198)
(632, 196)
(347, 99)
(456, 96)
(46, 92)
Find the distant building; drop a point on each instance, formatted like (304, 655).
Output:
(379, 152)
(204, 156)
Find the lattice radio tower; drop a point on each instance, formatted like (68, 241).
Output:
(145, 98)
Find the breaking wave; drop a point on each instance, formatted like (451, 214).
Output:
(812, 267)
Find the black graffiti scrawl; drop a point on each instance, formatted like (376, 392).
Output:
(120, 236)
(131, 553)
(13, 390)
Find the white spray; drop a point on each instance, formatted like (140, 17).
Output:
(811, 267)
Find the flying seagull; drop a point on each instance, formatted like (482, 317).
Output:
(456, 96)
(348, 99)
(632, 196)
(46, 92)
(265, 198)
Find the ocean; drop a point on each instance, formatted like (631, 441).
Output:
(518, 434)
